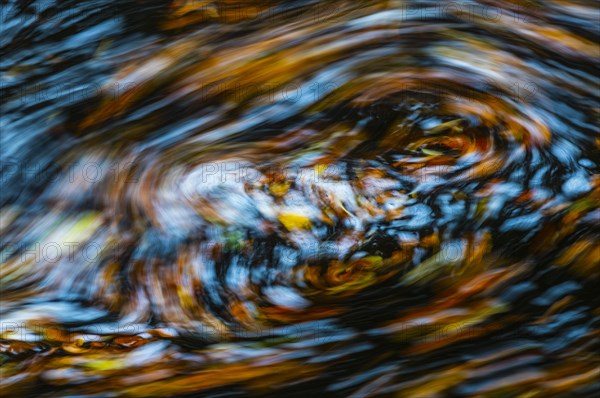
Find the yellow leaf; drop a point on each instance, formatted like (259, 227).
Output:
(431, 152)
(279, 189)
(320, 168)
(294, 221)
(106, 364)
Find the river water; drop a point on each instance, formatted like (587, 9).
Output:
(347, 199)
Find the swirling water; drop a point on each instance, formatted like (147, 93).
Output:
(374, 198)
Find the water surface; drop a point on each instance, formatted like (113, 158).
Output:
(375, 198)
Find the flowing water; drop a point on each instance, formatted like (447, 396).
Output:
(340, 198)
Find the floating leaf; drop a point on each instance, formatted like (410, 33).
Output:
(295, 222)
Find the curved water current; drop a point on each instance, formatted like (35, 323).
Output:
(340, 198)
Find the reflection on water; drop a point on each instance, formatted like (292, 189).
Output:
(232, 198)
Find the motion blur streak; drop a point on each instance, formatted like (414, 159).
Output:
(336, 198)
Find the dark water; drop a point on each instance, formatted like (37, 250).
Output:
(338, 198)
